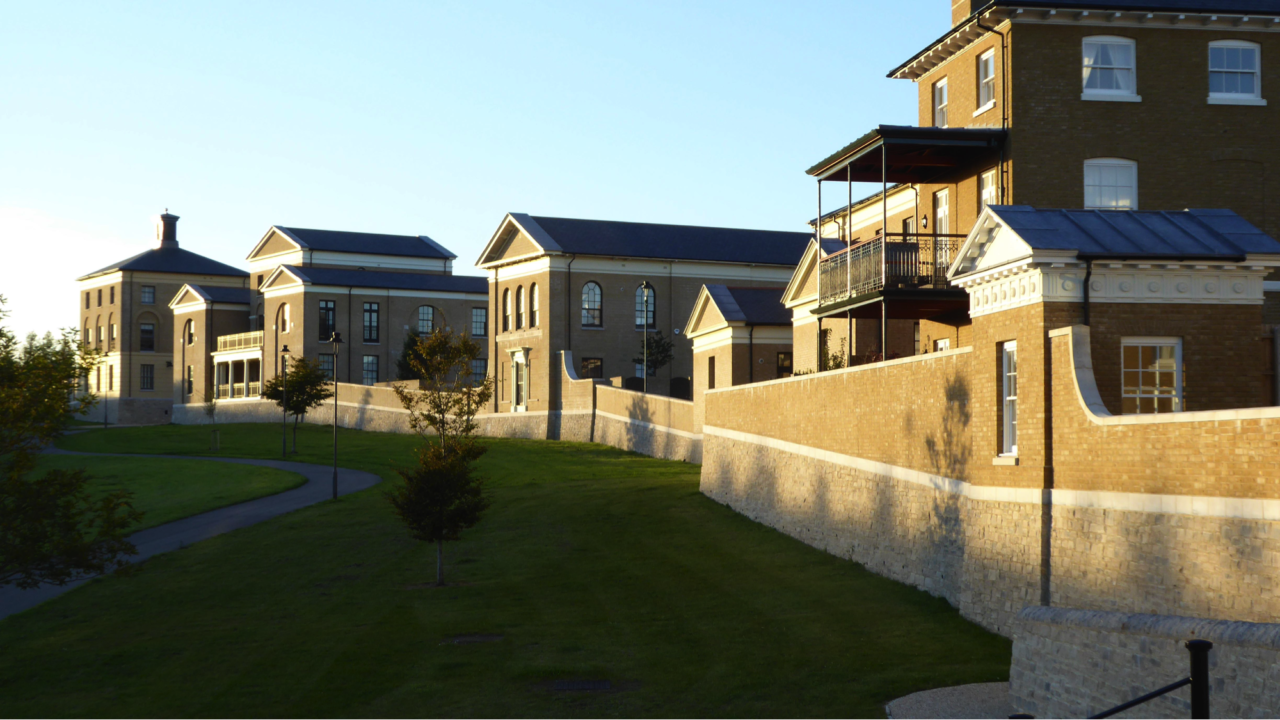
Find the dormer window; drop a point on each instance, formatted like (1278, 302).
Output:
(1110, 69)
(1234, 74)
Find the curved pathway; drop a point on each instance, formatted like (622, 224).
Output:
(180, 533)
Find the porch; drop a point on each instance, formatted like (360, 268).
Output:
(235, 379)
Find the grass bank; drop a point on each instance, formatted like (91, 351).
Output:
(600, 583)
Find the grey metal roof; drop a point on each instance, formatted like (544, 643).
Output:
(227, 295)
(675, 242)
(391, 280)
(831, 245)
(753, 306)
(368, 243)
(171, 259)
(1190, 234)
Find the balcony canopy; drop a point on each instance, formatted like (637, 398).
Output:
(902, 154)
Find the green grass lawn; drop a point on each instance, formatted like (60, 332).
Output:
(592, 565)
(168, 489)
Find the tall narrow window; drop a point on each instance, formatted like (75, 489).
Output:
(99, 297)
(988, 189)
(1009, 391)
(479, 322)
(784, 364)
(533, 305)
(189, 332)
(521, 384)
(147, 333)
(940, 103)
(371, 323)
(1152, 381)
(1110, 184)
(1109, 71)
(148, 295)
(111, 377)
(506, 310)
(1234, 75)
(711, 373)
(519, 307)
(986, 79)
(370, 370)
(942, 212)
(592, 313)
(86, 299)
(191, 379)
(87, 334)
(645, 301)
(111, 295)
(328, 320)
(99, 341)
(147, 377)
(326, 365)
(426, 320)
(479, 368)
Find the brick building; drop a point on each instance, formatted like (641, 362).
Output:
(124, 312)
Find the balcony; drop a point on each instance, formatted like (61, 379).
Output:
(240, 341)
(910, 261)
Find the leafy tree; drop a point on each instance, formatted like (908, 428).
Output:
(660, 353)
(51, 529)
(308, 387)
(404, 363)
(442, 495)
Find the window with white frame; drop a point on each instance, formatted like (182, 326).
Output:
(942, 212)
(592, 313)
(1234, 71)
(369, 366)
(1109, 68)
(426, 320)
(519, 307)
(986, 79)
(940, 103)
(479, 368)
(1152, 375)
(988, 189)
(1110, 184)
(148, 294)
(645, 302)
(1009, 394)
(533, 305)
(479, 322)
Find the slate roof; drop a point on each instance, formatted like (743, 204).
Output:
(753, 306)
(171, 259)
(227, 295)
(367, 243)
(391, 280)
(1191, 234)
(831, 245)
(674, 242)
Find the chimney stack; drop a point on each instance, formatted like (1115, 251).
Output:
(167, 230)
(960, 10)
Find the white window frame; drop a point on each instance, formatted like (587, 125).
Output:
(1100, 164)
(1225, 98)
(533, 305)
(986, 82)
(1140, 341)
(940, 103)
(942, 211)
(988, 189)
(1008, 399)
(1110, 95)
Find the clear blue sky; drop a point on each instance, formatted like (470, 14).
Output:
(420, 118)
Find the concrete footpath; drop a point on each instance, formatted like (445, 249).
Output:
(180, 533)
(980, 700)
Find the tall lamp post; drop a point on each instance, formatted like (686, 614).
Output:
(336, 340)
(284, 412)
(645, 289)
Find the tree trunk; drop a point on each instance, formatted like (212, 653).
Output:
(439, 563)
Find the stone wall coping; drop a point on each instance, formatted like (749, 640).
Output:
(1228, 632)
(650, 396)
(855, 369)
(1090, 399)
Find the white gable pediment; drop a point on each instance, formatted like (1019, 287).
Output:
(990, 245)
(795, 292)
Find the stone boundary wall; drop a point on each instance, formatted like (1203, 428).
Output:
(1075, 663)
(131, 411)
(652, 425)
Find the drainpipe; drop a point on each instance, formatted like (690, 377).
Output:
(1088, 273)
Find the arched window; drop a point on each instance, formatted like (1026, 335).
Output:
(1109, 68)
(111, 330)
(99, 326)
(1234, 74)
(189, 332)
(591, 310)
(645, 301)
(533, 305)
(86, 329)
(519, 307)
(506, 310)
(426, 320)
(1110, 184)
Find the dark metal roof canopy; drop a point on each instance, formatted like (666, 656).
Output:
(911, 154)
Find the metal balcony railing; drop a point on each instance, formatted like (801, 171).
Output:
(240, 341)
(905, 261)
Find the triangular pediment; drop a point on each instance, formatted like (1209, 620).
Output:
(283, 276)
(275, 242)
(519, 237)
(990, 245)
(705, 316)
(803, 285)
(188, 294)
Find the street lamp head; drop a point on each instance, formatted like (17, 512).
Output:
(285, 349)
(336, 339)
